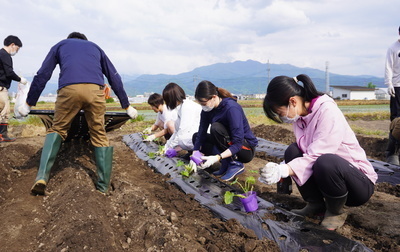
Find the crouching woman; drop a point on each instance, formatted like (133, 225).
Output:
(327, 163)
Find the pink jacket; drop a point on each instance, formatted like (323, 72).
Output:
(325, 130)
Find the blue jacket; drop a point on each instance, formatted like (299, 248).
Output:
(80, 61)
(230, 114)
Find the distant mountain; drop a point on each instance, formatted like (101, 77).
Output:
(242, 77)
(239, 77)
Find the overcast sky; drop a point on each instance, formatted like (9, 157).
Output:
(176, 36)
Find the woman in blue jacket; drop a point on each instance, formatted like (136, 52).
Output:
(230, 131)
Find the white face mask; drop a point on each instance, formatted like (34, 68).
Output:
(206, 108)
(12, 53)
(287, 119)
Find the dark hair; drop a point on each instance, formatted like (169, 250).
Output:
(206, 89)
(399, 29)
(12, 39)
(77, 35)
(281, 88)
(173, 94)
(155, 100)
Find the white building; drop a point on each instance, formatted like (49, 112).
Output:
(353, 93)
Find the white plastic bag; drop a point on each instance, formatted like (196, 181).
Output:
(22, 94)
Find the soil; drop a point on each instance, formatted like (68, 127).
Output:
(142, 211)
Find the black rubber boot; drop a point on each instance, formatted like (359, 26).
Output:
(392, 151)
(103, 157)
(50, 149)
(335, 216)
(312, 208)
(4, 133)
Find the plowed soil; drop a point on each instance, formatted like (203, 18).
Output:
(142, 212)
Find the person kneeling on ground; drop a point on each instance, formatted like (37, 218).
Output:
(230, 131)
(165, 120)
(327, 163)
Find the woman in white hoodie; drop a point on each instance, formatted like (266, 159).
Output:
(188, 120)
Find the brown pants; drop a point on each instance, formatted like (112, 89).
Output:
(87, 97)
(4, 105)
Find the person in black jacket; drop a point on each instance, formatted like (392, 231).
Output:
(11, 47)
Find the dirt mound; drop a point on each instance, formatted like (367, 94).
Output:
(143, 212)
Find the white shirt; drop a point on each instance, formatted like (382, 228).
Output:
(166, 116)
(186, 125)
(392, 66)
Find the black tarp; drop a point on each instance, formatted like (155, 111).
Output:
(290, 231)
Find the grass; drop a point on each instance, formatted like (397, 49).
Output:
(368, 132)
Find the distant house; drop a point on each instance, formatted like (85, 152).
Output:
(353, 93)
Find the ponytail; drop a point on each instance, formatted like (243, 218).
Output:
(205, 90)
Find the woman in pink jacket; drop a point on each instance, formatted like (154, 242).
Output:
(327, 163)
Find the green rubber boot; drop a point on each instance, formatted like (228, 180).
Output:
(50, 149)
(103, 157)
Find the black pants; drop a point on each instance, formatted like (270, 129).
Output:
(218, 141)
(333, 176)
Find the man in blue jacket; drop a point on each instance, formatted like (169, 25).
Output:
(80, 87)
(7, 74)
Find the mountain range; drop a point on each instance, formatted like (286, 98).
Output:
(239, 77)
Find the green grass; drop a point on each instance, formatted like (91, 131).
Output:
(32, 120)
(364, 131)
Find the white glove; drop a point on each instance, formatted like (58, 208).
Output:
(24, 109)
(390, 90)
(209, 160)
(271, 173)
(132, 112)
(147, 130)
(193, 166)
(23, 81)
(149, 138)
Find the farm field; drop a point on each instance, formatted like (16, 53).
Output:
(145, 213)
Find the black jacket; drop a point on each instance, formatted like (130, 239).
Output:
(6, 69)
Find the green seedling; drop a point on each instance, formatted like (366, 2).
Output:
(161, 150)
(187, 171)
(247, 187)
(152, 155)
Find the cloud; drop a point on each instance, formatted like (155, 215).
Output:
(176, 36)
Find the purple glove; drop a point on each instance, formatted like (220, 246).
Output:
(171, 153)
(196, 157)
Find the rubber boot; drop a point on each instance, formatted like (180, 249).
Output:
(392, 151)
(312, 208)
(223, 168)
(4, 133)
(335, 216)
(103, 157)
(50, 149)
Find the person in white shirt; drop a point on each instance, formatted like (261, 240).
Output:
(188, 120)
(392, 80)
(165, 120)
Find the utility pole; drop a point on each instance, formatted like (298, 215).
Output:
(327, 77)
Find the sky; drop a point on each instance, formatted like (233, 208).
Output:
(176, 36)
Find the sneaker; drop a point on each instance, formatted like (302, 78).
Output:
(222, 169)
(234, 168)
(39, 187)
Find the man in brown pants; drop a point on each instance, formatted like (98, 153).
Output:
(80, 87)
